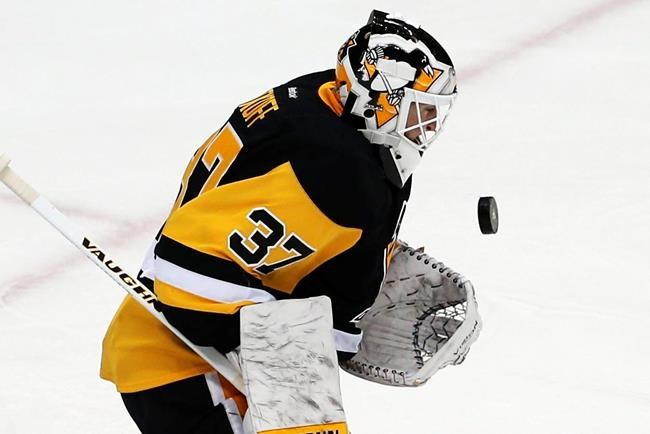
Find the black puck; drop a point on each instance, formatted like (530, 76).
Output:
(488, 215)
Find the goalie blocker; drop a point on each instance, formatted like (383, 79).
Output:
(424, 318)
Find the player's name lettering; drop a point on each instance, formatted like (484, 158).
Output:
(144, 293)
(257, 108)
(324, 432)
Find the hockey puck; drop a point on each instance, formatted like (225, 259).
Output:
(488, 215)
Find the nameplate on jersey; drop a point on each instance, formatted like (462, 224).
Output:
(257, 108)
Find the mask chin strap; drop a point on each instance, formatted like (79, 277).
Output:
(399, 157)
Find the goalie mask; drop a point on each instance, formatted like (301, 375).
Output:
(398, 84)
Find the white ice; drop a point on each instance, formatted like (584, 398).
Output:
(102, 104)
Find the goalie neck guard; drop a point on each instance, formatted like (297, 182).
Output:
(398, 85)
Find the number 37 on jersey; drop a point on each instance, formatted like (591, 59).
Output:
(266, 224)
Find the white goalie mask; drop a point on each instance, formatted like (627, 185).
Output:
(398, 84)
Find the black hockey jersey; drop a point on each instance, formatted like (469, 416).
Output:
(286, 200)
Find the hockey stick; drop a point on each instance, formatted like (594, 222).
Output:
(98, 256)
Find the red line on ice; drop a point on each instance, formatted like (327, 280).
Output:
(10, 199)
(571, 24)
(10, 289)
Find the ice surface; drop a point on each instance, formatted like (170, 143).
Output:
(102, 104)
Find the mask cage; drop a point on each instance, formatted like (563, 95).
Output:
(443, 105)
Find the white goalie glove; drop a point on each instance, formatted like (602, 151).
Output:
(424, 318)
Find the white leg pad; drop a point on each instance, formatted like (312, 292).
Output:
(290, 368)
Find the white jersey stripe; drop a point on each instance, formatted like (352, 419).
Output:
(207, 287)
(147, 268)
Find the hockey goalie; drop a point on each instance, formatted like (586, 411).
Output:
(281, 250)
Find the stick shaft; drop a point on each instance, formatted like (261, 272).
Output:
(98, 256)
